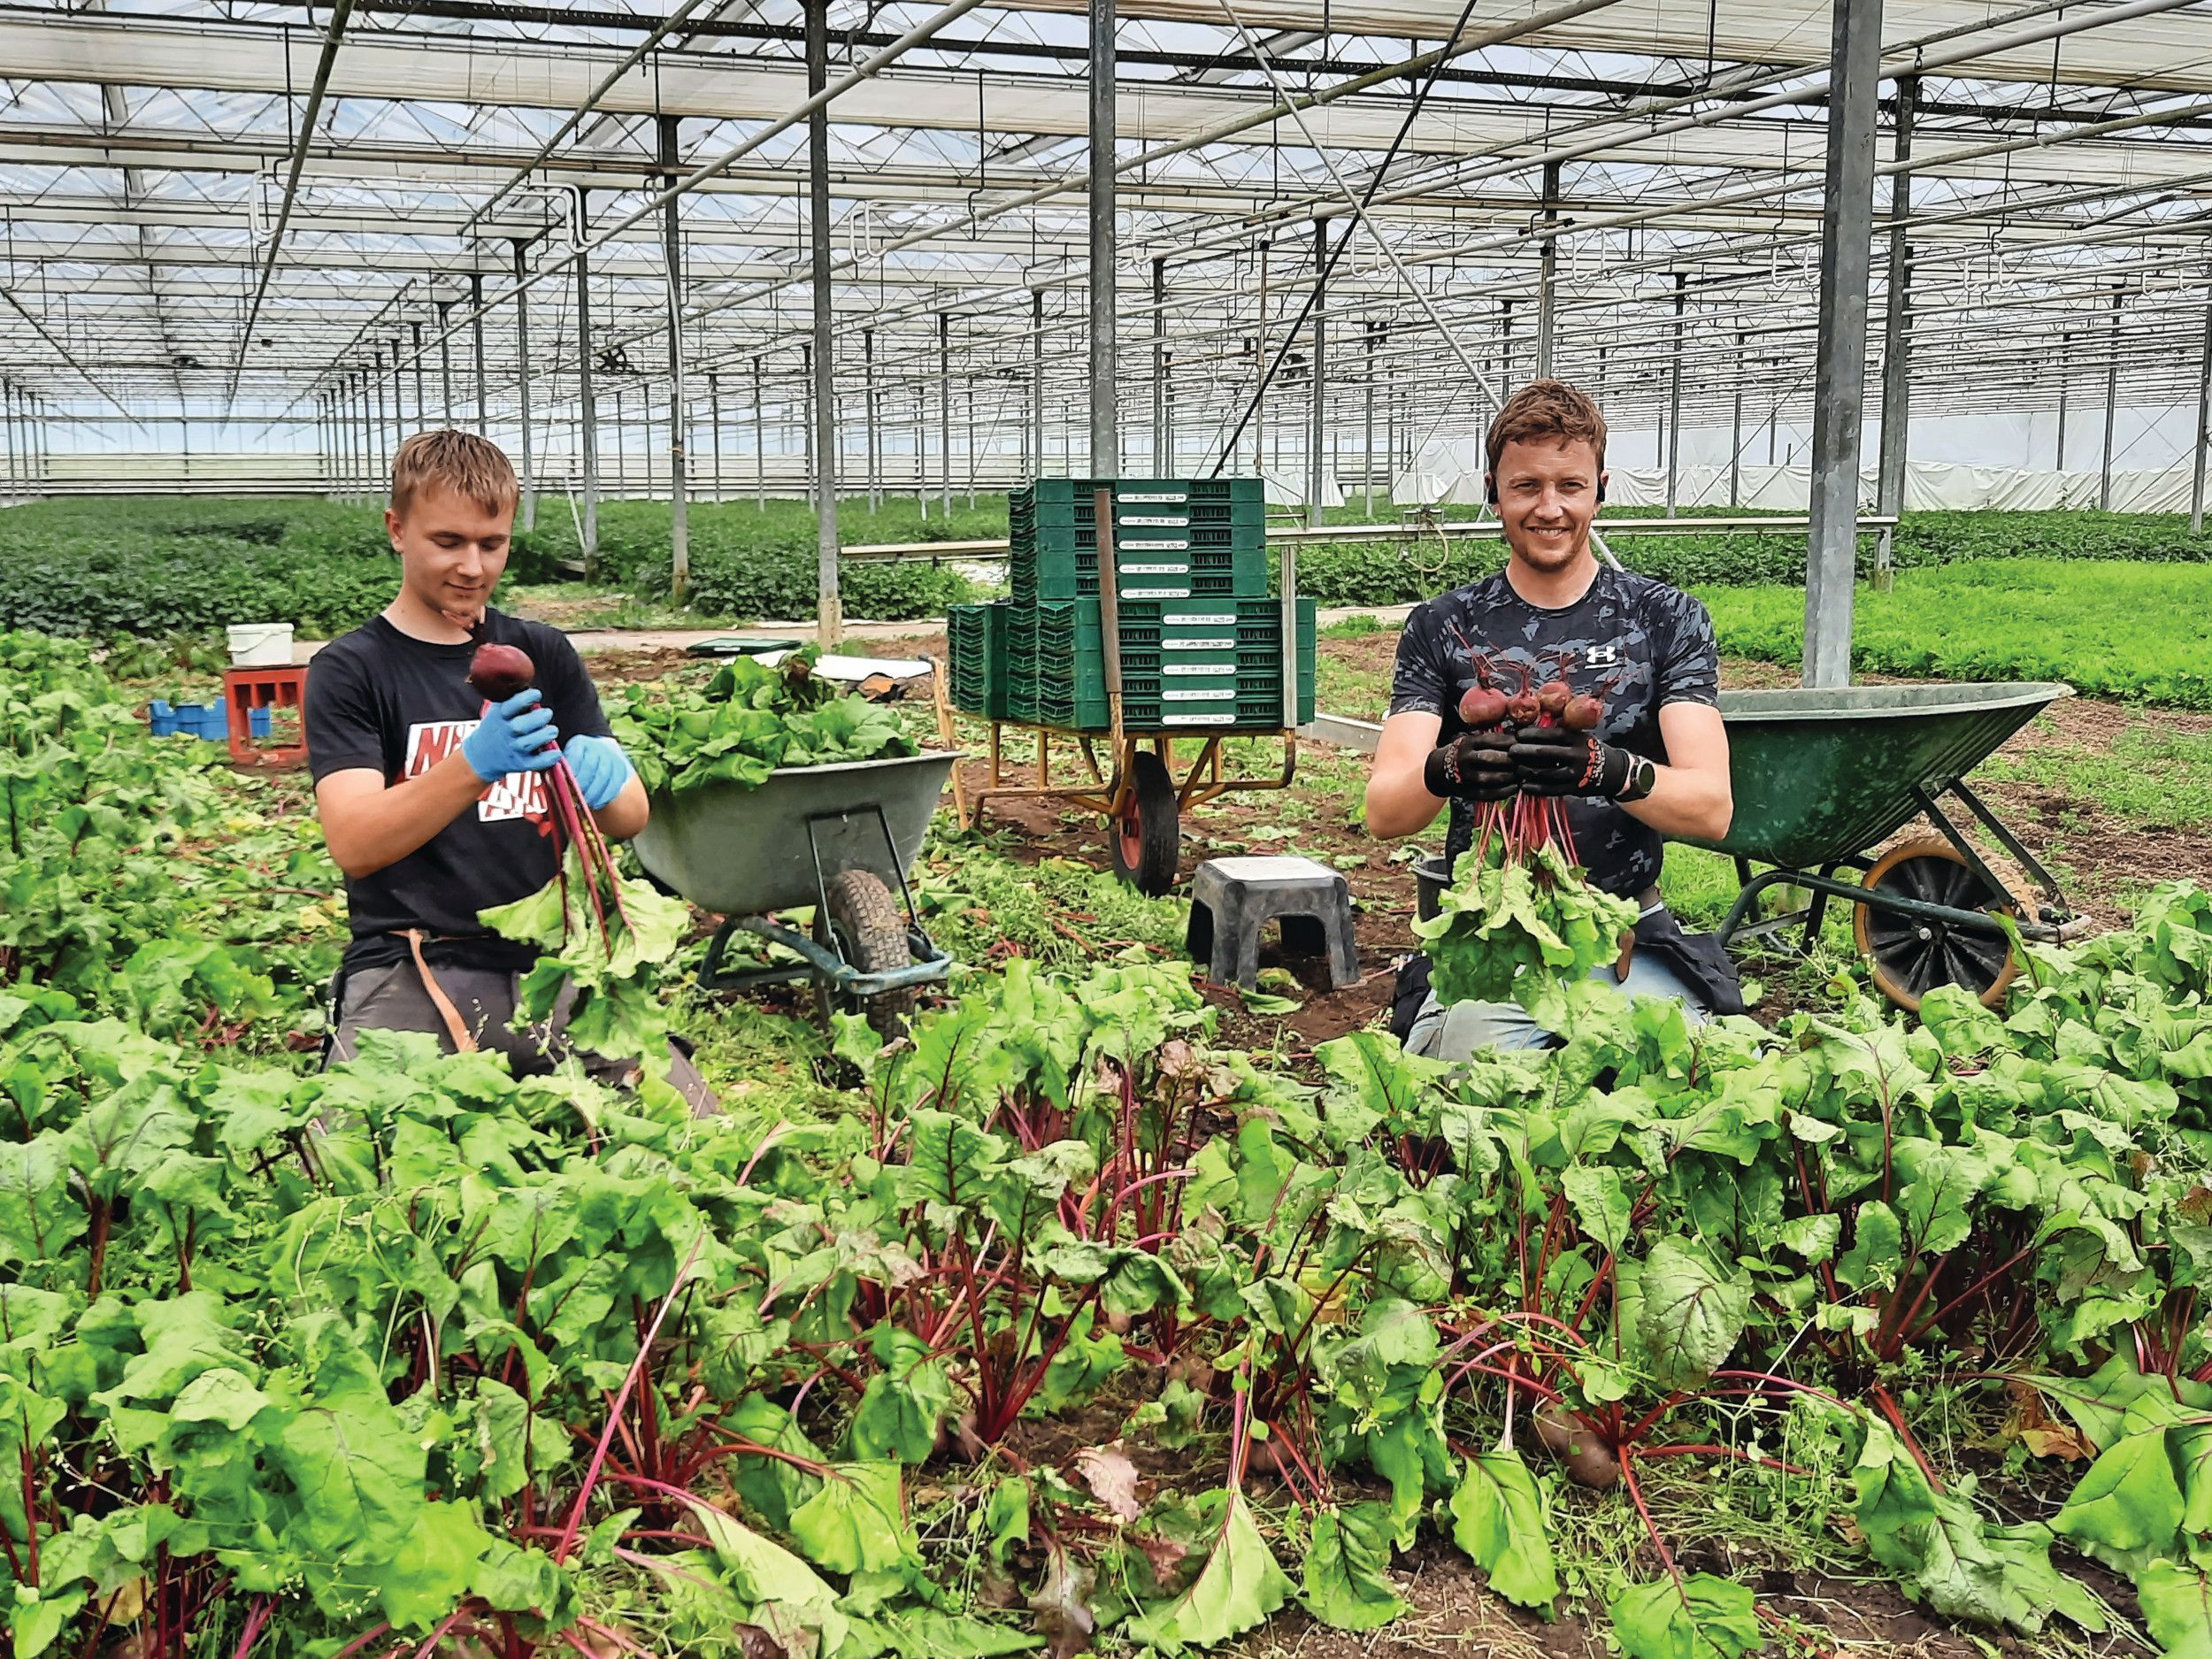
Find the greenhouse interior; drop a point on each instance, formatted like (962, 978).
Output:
(913, 831)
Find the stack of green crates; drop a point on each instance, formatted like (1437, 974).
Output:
(1201, 640)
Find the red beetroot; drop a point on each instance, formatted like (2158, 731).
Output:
(1523, 709)
(1482, 707)
(1582, 714)
(499, 671)
(1554, 697)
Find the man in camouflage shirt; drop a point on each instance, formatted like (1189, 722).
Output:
(1655, 766)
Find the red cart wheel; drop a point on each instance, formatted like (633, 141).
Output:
(1146, 835)
(1907, 957)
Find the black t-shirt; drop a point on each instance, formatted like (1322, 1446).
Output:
(382, 700)
(1635, 642)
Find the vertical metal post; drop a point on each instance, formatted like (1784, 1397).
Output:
(1547, 273)
(529, 517)
(1161, 467)
(422, 406)
(668, 130)
(2204, 426)
(621, 457)
(1889, 491)
(806, 416)
(399, 402)
(1735, 430)
(714, 414)
(968, 391)
(1105, 407)
(445, 367)
(587, 401)
(2065, 361)
(1674, 388)
(1319, 382)
(1037, 382)
(944, 408)
(11, 478)
(921, 444)
(760, 440)
(831, 616)
(2111, 403)
(476, 328)
(1840, 377)
(383, 454)
(1367, 435)
(875, 437)
(1259, 374)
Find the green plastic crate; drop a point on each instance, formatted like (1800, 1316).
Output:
(1157, 572)
(976, 669)
(1045, 494)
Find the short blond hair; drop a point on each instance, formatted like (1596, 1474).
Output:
(474, 468)
(1547, 410)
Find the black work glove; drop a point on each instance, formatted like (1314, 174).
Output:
(1557, 760)
(1473, 766)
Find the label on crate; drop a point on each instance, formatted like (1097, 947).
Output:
(1203, 644)
(1188, 671)
(1152, 499)
(1204, 694)
(1210, 620)
(1186, 717)
(1152, 521)
(1158, 592)
(1181, 545)
(1154, 570)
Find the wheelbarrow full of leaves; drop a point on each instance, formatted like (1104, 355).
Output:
(1824, 778)
(749, 820)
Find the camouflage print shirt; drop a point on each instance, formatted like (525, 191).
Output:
(1636, 643)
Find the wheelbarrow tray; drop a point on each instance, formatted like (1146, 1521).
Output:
(743, 852)
(1821, 776)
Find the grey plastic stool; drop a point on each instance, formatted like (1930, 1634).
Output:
(1233, 898)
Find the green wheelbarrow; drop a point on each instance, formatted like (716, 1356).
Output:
(840, 838)
(1822, 778)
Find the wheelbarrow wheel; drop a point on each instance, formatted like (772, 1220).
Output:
(1909, 957)
(864, 925)
(1146, 834)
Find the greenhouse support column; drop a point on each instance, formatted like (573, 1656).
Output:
(2065, 359)
(422, 405)
(714, 416)
(1105, 408)
(382, 456)
(1259, 371)
(2204, 426)
(2111, 403)
(445, 367)
(944, 408)
(399, 401)
(832, 618)
(1847, 246)
(760, 440)
(586, 402)
(668, 128)
(1318, 385)
(1036, 383)
(1889, 492)
(868, 412)
(1735, 431)
(1159, 367)
(968, 392)
(1674, 386)
(1547, 273)
(529, 515)
(621, 460)
(357, 417)
(1367, 436)
(476, 330)
(10, 478)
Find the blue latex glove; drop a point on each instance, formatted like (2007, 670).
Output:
(599, 766)
(516, 736)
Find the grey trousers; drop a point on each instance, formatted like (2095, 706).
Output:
(393, 999)
(1455, 1032)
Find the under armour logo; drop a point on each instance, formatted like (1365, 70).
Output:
(1602, 656)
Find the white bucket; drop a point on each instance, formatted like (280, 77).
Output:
(261, 645)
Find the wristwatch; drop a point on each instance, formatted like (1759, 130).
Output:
(1642, 777)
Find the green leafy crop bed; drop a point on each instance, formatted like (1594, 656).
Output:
(1060, 1324)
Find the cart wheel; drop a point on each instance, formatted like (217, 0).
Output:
(1909, 957)
(1146, 837)
(866, 925)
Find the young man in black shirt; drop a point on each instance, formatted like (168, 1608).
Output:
(434, 803)
(1658, 764)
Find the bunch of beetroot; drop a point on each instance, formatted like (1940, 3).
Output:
(497, 673)
(1525, 823)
